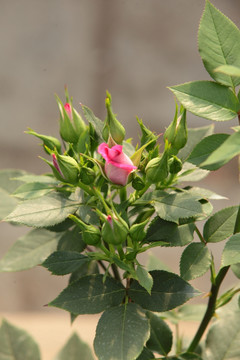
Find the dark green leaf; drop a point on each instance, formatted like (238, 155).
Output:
(30, 250)
(231, 251)
(74, 349)
(219, 43)
(71, 240)
(220, 225)
(43, 211)
(64, 262)
(195, 261)
(161, 337)
(90, 295)
(146, 354)
(208, 100)
(121, 333)
(144, 278)
(16, 344)
(205, 148)
(170, 232)
(168, 292)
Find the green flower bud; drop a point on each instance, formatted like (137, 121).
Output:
(90, 234)
(157, 168)
(87, 175)
(71, 123)
(182, 133)
(138, 183)
(50, 143)
(137, 231)
(175, 165)
(114, 231)
(147, 136)
(66, 167)
(116, 129)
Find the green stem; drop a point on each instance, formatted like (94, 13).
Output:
(210, 309)
(200, 235)
(123, 194)
(116, 272)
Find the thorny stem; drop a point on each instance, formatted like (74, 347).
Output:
(210, 308)
(213, 296)
(116, 272)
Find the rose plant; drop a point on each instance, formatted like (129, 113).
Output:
(105, 201)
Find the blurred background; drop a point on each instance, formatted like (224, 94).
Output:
(134, 49)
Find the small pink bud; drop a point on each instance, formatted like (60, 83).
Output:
(68, 109)
(118, 165)
(55, 164)
(109, 219)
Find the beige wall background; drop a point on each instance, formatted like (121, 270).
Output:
(133, 48)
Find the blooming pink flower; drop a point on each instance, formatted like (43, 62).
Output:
(118, 165)
(68, 109)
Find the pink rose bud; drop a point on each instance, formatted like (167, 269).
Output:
(68, 109)
(118, 165)
(55, 164)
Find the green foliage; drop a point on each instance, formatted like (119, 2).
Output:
(95, 230)
(219, 44)
(73, 348)
(16, 344)
(168, 292)
(220, 225)
(121, 333)
(30, 250)
(90, 295)
(161, 338)
(195, 261)
(208, 99)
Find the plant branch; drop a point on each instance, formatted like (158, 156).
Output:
(210, 308)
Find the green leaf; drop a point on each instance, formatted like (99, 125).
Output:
(228, 70)
(43, 179)
(194, 136)
(205, 148)
(195, 261)
(219, 44)
(32, 190)
(236, 270)
(144, 278)
(7, 204)
(30, 250)
(92, 119)
(90, 295)
(223, 338)
(161, 337)
(191, 172)
(154, 263)
(184, 356)
(16, 344)
(8, 181)
(208, 100)
(146, 354)
(224, 153)
(64, 262)
(168, 292)
(175, 206)
(71, 240)
(220, 225)
(204, 193)
(170, 232)
(121, 333)
(43, 211)
(75, 348)
(231, 251)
